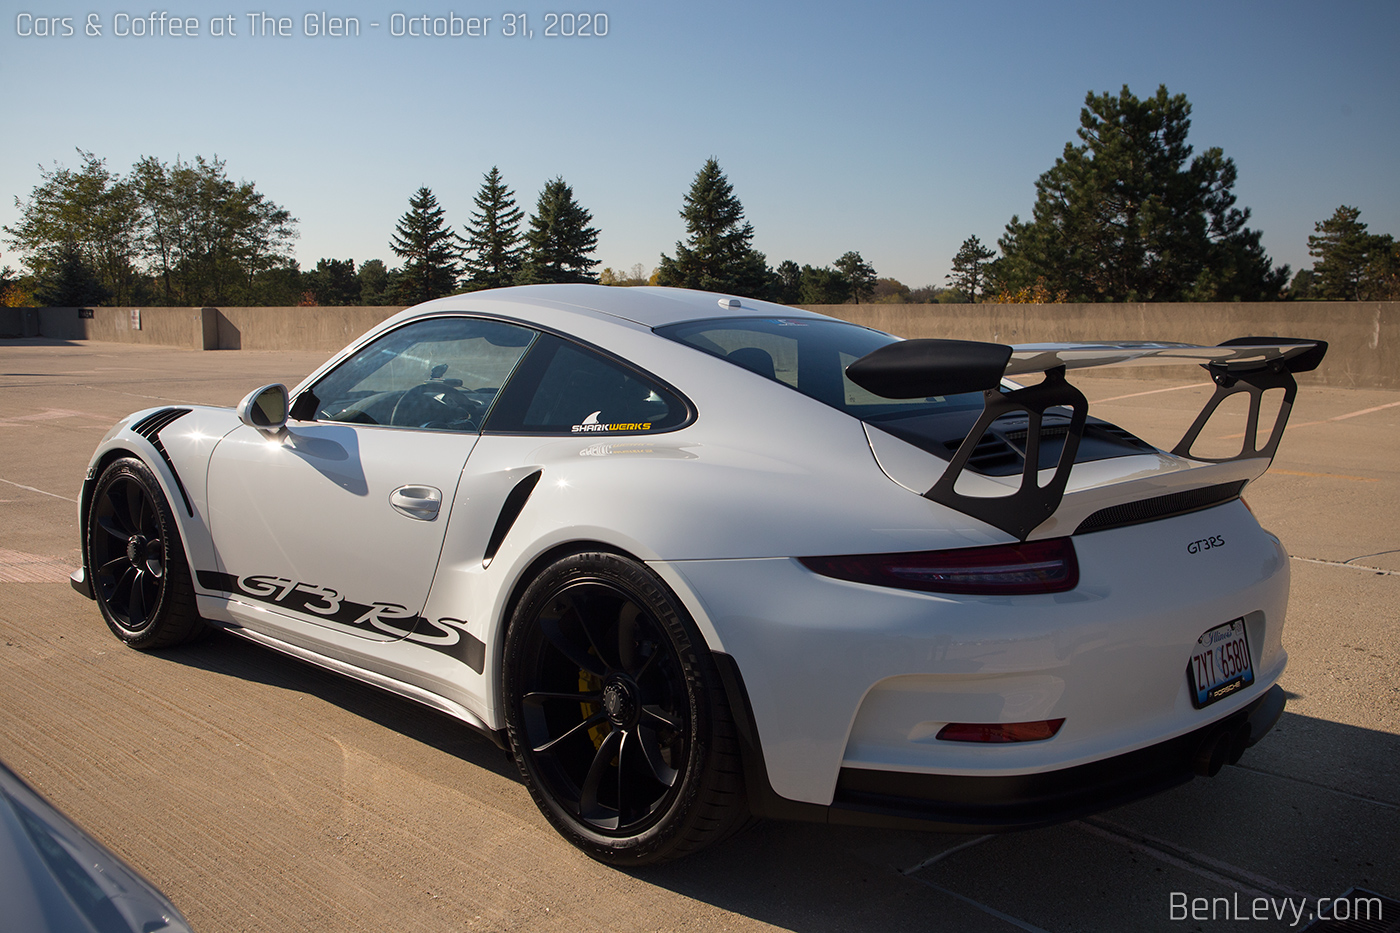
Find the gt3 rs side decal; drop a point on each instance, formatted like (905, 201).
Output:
(450, 636)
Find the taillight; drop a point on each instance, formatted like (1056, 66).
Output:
(1000, 731)
(1047, 566)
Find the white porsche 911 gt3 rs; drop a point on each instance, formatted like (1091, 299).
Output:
(691, 558)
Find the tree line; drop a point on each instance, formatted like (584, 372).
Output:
(1129, 213)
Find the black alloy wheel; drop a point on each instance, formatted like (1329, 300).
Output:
(616, 716)
(140, 578)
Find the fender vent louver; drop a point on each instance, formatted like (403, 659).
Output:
(1150, 510)
(150, 427)
(510, 511)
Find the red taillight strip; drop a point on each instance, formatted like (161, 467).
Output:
(1046, 566)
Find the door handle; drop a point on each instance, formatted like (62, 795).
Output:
(420, 502)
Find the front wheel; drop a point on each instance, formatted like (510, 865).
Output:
(140, 578)
(616, 715)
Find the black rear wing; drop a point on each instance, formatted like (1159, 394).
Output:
(925, 367)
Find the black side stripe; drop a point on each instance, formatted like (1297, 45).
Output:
(510, 511)
(150, 427)
(450, 639)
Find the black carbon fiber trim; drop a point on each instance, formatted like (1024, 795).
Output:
(150, 427)
(1150, 510)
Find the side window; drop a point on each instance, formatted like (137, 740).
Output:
(563, 388)
(441, 374)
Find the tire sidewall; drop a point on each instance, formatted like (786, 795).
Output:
(172, 549)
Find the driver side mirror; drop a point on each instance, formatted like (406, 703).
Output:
(265, 409)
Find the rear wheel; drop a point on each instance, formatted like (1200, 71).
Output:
(140, 577)
(616, 715)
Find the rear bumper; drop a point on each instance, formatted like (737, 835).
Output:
(999, 803)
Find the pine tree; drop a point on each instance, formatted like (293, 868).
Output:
(1352, 264)
(823, 286)
(969, 274)
(717, 254)
(859, 274)
(429, 249)
(560, 243)
(493, 253)
(1129, 215)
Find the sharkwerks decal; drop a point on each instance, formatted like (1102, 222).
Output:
(450, 636)
(591, 425)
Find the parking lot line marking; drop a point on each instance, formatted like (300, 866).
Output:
(1364, 411)
(1359, 479)
(1238, 879)
(1350, 414)
(1341, 793)
(1337, 563)
(1019, 924)
(40, 491)
(933, 859)
(1116, 398)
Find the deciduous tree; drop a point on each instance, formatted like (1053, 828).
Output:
(86, 219)
(206, 238)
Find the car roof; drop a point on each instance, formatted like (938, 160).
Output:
(649, 306)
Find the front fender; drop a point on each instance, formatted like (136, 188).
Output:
(175, 444)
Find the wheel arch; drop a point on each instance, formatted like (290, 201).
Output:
(121, 449)
(532, 569)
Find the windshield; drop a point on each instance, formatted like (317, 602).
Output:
(811, 356)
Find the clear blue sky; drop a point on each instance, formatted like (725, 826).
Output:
(892, 128)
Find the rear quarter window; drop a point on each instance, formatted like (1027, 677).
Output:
(563, 388)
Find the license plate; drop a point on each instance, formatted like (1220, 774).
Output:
(1220, 665)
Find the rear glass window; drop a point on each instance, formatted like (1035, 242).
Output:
(811, 357)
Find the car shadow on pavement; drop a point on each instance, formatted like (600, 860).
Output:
(232, 656)
(1311, 811)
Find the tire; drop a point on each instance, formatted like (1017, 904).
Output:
(140, 577)
(616, 715)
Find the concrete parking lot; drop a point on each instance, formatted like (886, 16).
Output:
(265, 794)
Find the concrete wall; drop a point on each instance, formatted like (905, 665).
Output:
(326, 329)
(1364, 337)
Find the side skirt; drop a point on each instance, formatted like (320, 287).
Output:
(408, 691)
